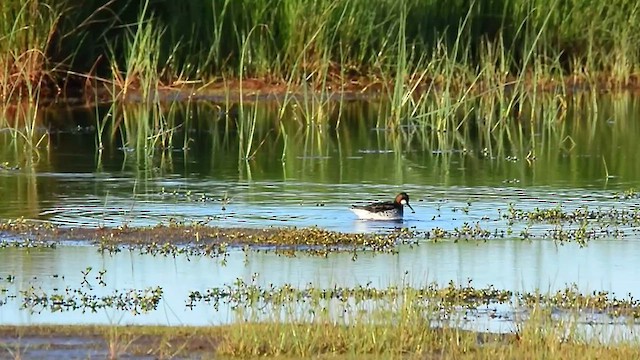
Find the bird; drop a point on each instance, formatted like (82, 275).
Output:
(383, 210)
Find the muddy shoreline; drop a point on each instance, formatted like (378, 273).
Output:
(131, 342)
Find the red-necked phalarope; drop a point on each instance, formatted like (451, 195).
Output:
(383, 210)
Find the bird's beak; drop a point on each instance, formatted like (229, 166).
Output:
(413, 211)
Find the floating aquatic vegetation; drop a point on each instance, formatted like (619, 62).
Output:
(193, 239)
(243, 294)
(5, 166)
(571, 298)
(27, 243)
(631, 193)
(441, 302)
(213, 250)
(83, 298)
(190, 196)
(466, 232)
(447, 299)
(136, 301)
(582, 235)
(212, 242)
(558, 214)
(560, 234)
(25, 226)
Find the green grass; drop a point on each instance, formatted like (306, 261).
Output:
(26, 32)
(442, 70)
(498, 42)
(308, 321)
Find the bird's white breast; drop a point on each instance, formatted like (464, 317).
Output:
(382, 215)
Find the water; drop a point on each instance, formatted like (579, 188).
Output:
(604, 265)
(309, 176)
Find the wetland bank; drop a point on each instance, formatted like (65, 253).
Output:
(179, 187)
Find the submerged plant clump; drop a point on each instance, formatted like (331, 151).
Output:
(558, 214)
(215, 242)
(580, 234)
(213, 250)
(198, 240)
(442, 302)
(404, 319)
(571, 298)
(25, 226)
(28, 243)
(447, 300)
(194, 239)
(242, 294)
(466, 232)
(628, 194)
(135, 301)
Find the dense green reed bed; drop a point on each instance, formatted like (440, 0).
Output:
(143, 44)
(478, 78)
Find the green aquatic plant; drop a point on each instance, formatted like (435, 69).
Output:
(497, 46)
(142, 49)
(28, 244)
(24, 67)
(198, 239)
(373, 316)
(242, 294)
(631, 193)
(360, 320)
(135, 301)
(558, 214)
(448, 299)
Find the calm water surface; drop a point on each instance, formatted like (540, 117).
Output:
(309, 176)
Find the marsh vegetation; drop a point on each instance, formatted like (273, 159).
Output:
(191, 164)
(146, 45)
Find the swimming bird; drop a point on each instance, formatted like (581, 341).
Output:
(383, 210)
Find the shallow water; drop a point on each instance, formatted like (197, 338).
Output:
(508, 264)
(323, 171)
